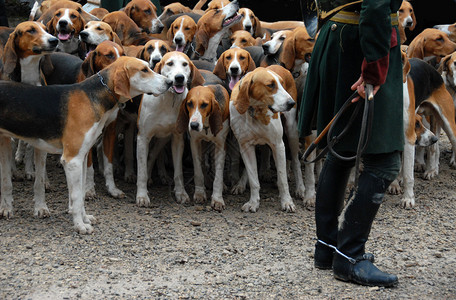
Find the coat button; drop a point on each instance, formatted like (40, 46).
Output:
(333, 27)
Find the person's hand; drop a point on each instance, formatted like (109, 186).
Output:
(359, 86)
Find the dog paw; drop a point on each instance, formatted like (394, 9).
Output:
(199, 196)
(251, 206)
(309, 201)
(6, 212)
(116, 193)
(42, 212)
(83, 228)
(91, 193)
(238, 189)
(29, 176)
(300, 192)
(395, 188)
(182, 197)
(419, 167)
(217, 203)
(89, 219)
(407, 203)
(288, 205)
(130, 178)
(143, 201)
(428, 175)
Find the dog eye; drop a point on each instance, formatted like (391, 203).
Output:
(147, 11)
(417, 125)
(241, 57)
(401, 10)
(99, 29)
(281, 38)
(78, 10)
(228, 57)
(243, 15)
(170, 64)
(31, 30)
(145, 70)
(187, 28)
(190, 104)
(271, 85)
(440, 39)
(244, 40)
(185, 64)
(110, 55)
(73, 16)
(176, 27)
(203, 105)
(58, 14)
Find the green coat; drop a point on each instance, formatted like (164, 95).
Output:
(336, 64)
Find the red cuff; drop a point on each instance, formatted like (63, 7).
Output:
(375, 72)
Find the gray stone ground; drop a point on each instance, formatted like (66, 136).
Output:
(172, 251)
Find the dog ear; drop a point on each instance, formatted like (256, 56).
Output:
(46, 65)
(443, 67)
(416, 47)
(122, 82)
(251, 65)
(128, 9)
(196, 77)
(88, 65)
(240, 96)
(170, 34)
(115, 38)
(215, 118)
(257, 26)
(287, 57)
(414, 21)
(158, 67)
(219, 69)
(50, 27)
(141, 52)
(201, 40)
(10, 60)
(182, 118)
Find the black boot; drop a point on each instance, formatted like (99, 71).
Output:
(355, 225)
(329, 202)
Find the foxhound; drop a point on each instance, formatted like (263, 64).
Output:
(181, 33)
(407, 19)
(67, 119)
(157, 118)
(144, 14)
(256, 102)
(242, 39)
(153, 51)
(212, 27)
(429, 43)
(449, 29)
(66, 24)
(96, 32)
(447, 70)
(205, 114)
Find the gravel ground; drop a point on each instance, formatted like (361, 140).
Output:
(171, 251)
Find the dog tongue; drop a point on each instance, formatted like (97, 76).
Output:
(63, 36)
(180, 48)
(179, 89)
(233, 81)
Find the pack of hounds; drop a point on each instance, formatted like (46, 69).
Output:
(209, 85)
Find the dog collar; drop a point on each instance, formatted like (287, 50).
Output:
(107, 87)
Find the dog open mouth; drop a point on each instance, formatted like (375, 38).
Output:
(178, 89)
(233, 80)
(181, 48)
(89, 47)
(272, 109)
(231, 20)
(64, 36)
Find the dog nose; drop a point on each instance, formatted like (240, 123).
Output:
(178, 40)
(265, 49)
(179, 78)
(53, 41)
(409, 23)
(434, 139)
(234, 70)
(155, 61)
(194, 125)
(290, 104)
(83, 35)
(63, 23)
(248, 28)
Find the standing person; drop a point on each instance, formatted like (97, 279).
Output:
(358, 46)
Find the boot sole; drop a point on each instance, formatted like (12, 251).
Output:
(393, 284)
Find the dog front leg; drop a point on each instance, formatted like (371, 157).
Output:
(278, 150)
(74, 171)
(41, 209)
(109, 140)
(200, 193)
(408, 200)
(142, 150)
(6, 157)
(249, 158)
(217, 202)
(177, 148)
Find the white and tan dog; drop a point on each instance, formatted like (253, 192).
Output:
(256, 102)
(157, 118)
